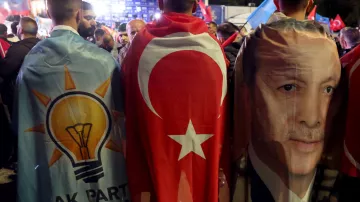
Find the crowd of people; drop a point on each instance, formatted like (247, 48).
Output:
(174, 111)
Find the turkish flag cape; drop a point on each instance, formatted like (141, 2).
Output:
(174, 79)
(351, 162)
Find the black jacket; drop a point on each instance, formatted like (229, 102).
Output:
(231, 52)
(10, 66)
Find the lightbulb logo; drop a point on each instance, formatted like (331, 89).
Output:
(79, 123)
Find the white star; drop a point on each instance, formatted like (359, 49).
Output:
(191, 142)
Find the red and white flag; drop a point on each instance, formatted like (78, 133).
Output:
(337, 24)
(351, 162)
(206, 11)
(312, 14)
(175, 87)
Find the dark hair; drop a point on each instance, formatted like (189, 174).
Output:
(212, 23)
(3, 29)
(62, 10)
(14, 27)
(227, 29)
(249, 67)
(122, 27)
(179, 6)
(294, 4)
(99, 32)
(29, 26)
(86, 6)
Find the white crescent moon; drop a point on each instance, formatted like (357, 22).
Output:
(155, 51)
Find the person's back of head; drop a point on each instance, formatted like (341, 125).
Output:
(183, 6)
(294, 8)
(99, 33)
(14, 28)
(28, 28)
(64, 12)
(349, 37)
(3, 30)
(226, 30)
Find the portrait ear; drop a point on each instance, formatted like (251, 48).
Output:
(78, 16)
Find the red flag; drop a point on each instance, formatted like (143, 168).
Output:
(351, 161)
(230, 40)
(175, 84)
(312, 14)
(337, 24)
(206, 11)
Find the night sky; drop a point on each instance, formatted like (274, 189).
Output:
(349, 10)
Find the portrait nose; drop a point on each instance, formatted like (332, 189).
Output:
(309, 112)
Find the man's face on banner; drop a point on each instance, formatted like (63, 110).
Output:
(290, 100)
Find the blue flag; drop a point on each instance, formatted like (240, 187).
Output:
(262, 13)
(69, 118)
(322, 19)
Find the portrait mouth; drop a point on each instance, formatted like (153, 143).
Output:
(306, 146)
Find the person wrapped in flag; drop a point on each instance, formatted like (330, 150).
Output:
(286, 100)
(175, 87)
(67, 117)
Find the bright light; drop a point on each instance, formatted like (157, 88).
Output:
(118, 7)
(100, 8)
(157, 16)
(6, 5)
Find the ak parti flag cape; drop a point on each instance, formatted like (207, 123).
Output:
(351, 163)
(68, 122)
(175, 88)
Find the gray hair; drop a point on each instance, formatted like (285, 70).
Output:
(29, 26)
(351, 35)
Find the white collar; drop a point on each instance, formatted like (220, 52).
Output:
(273, 182)
(65, 27)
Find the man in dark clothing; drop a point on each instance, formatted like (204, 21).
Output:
(11, 64)
(349, 39)
(4, 43)
(224, 32)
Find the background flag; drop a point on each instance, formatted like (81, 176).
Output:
(206, 11)
(337, 24)
(322, 19)
(312, 14)
(262, 13)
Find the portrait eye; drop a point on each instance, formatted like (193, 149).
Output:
(288, 88)
(329, 90)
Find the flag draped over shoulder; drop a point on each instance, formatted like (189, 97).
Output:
(351, 163)
(175, 97)
(68, 122)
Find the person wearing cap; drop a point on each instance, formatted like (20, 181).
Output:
(286, 99)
